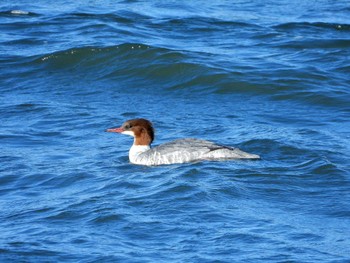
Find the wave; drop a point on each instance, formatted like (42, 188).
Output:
(122, 17)
(84, 52)
(108, 62)
(127, 17)
(316, 43)
(315, 25)
(204, 24)
(176, 70)
(179, 71)
(18, 12)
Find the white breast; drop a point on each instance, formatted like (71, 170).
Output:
(135, 152)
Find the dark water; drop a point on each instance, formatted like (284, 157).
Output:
(271, 77)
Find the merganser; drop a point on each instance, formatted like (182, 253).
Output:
(178, 151)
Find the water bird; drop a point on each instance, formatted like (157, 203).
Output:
(178, 151)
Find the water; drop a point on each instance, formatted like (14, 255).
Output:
(271, 77)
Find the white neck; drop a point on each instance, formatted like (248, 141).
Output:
(136, 150)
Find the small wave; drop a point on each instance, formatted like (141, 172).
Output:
(121, 18)
(320, 25)
(74, 55)
(114, 61)
(96, 62)
(17, 12)
(176, 70)
(204, 23)
(316, 44)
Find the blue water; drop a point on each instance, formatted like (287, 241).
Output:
(270, 77)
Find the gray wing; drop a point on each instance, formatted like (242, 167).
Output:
(186, 150)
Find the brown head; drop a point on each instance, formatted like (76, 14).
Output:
(141, 129)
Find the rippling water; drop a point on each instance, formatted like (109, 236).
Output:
(271, 77)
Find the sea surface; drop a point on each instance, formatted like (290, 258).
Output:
(271, 77)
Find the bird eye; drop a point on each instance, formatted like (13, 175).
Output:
(127, 126)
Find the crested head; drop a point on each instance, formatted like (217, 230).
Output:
(141, 129)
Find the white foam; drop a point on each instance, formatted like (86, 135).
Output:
(19, 12)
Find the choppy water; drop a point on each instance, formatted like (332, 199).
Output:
(271, 77)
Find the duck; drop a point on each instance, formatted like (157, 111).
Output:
(174, 152)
